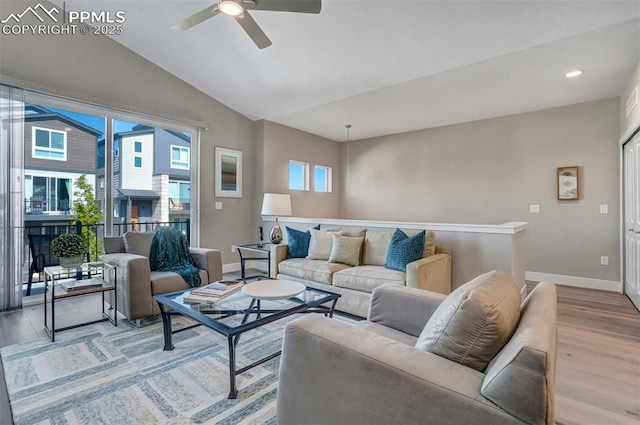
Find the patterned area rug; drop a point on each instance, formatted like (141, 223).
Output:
(120, 375)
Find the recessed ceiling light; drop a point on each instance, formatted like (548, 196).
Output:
(575, 73)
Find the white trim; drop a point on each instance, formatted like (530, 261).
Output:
(188, 167)
(632, 101)
(630, 130)
(305, 174)
(577, 281)
(510, 228)
(328, 178)
(48, 149)
(235, 267)
(231, 267)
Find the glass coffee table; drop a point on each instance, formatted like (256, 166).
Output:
(237, 314)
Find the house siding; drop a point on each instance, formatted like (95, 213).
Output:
(136, 178)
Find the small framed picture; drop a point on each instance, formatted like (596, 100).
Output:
(568, 183)
(228, 172)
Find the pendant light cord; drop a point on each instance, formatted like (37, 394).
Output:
(347, 198)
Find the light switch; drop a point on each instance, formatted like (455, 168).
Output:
(604, 209)
(218, 205)
(604, 260)
(534, 208)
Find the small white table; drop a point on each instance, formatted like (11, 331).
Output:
(273, 289)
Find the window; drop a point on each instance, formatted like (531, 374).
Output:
(48, 144)
(180, 157)
(137, 161)
(116, 148)
(322, 179)
(298, 175)
(137, 147)
(179, 195)
(48, 194)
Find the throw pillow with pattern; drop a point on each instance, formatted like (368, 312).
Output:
(298, 242)
(404, 250)
(346, 250)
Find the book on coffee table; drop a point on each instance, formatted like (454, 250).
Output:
(213, 292)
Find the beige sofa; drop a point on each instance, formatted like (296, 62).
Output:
(137, 283)
(355, 284)
(375, 371)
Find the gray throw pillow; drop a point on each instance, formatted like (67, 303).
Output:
(138, 243)
(346, 250)
(475, 321)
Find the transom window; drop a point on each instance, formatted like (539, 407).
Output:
(49, 144)
(298, 175)
(180, 157)
(322, 179)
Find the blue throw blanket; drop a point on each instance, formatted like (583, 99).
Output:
(170, 252)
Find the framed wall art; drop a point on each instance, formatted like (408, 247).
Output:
(228, 173)
(568, 183)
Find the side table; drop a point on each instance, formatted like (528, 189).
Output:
(264, 252)
(61, 282)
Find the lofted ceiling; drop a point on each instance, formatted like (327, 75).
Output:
(390, 66)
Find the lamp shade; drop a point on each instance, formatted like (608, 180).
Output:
(276, 204)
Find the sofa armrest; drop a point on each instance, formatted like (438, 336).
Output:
(278, 254)
(404, 309)
(134, 284)
(209, 260)
(335, 373)
(431, 273)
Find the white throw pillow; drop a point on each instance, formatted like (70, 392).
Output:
(346, 250)
(320, 244)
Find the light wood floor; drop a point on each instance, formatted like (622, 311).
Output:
(598, 362)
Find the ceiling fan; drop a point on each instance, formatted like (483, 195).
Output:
(239, 9)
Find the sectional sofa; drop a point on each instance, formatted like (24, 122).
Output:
(356, 283)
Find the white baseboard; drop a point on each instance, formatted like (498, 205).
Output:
(235, 267)
(580, 282)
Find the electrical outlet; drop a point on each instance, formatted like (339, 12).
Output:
(218, 205)
(233, 248)
(534, 208)
(604, 260)
(604, 209)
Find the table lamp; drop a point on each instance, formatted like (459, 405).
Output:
(276, 204)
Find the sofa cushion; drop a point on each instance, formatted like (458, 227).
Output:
(346, 250)
(404, 250)
(429, 241)
(320, 244)
(164, 282)
(376, 245)
(298, 242)
(313, 270)
(387, 332)
(138, 243)
(345, 230)
(367, 278)
(475, 321)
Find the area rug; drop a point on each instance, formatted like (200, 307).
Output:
(101, 374)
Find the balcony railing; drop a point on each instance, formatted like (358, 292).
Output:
(37, 205)
(98, 233)
(179, 204)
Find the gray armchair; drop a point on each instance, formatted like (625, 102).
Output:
(137, 283)
(370, 373)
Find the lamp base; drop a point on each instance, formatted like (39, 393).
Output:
(276, 233)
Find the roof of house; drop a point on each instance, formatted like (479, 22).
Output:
(40, 113)
(139, 194)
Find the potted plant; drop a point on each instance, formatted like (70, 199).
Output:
(70, 248)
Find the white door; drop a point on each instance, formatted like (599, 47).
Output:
(632, 220)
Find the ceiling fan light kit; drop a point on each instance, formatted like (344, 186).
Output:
(239, 10)
(231, 7)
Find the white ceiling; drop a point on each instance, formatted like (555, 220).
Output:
(389, 66)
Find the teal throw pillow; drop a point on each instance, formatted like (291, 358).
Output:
(404, 250)
(298, 242)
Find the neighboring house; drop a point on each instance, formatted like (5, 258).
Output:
(151, 171)
(57, 150)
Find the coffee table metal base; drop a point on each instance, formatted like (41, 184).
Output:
(234, 339)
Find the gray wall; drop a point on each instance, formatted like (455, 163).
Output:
(281, 144)
(99, 67)
(490, 171)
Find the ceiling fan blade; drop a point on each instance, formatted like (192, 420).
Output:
(253, 30)
(299, 6)
(195, 19)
